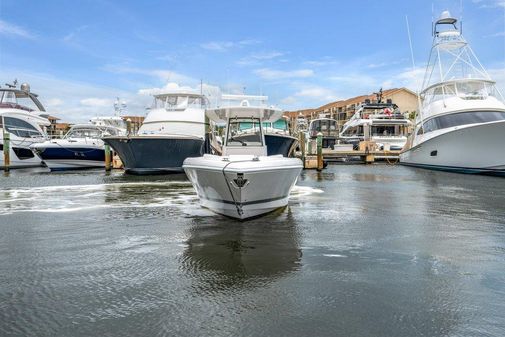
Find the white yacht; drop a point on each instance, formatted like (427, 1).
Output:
(461, 124)
(244, 182)
(382, 123)
(82, 146)
(173, 130)
(25, 119)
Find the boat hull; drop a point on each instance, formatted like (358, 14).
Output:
(62, 155)
(25, 160)
(280, 144)
(155, 155)
(245, 188)
(476, 149)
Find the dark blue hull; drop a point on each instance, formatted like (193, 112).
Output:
(63, 153)
(276, 144)
(155, 155)
(280, 144)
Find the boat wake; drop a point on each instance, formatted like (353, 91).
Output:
(73, 198)
(56, 199)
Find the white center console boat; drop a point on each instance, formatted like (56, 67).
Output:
(244, 182)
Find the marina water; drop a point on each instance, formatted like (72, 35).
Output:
(372, 250)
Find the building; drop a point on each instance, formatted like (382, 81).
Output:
(135, 122)
(342, 110)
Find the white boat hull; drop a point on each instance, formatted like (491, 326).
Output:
(69, 164)
(15, 162)
(470, 149)
(241, 187)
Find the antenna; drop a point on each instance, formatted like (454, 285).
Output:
(414, 65)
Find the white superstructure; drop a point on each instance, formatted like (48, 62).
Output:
(461, 124)
(24, 118)
(382, 123)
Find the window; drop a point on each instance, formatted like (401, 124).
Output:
(83, 133)
(243, 132)
(21, 128)
(462, 118)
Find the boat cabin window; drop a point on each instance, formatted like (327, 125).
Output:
(385, 130)
(177, 102)
(21, 128)
(244, 132)
(280, 124)
(462, 118)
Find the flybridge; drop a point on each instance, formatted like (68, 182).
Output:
(451, 57)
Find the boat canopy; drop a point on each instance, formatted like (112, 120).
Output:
(19, 99)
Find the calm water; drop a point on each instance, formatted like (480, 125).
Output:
(360, 251)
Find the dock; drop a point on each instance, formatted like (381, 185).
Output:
(315, 157)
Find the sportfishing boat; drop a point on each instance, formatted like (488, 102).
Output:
(82, 146)
(24, 118)
(382, 123)
(245, 182)
(461, 124)
(278, 139)
(328, 127)
(172, 131)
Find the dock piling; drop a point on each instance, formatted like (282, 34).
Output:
(108, 157)
(6, 150)
(302, 147)
(320, 163)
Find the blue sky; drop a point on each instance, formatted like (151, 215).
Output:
(80, 55)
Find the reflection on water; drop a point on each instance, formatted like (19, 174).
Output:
(242, 254)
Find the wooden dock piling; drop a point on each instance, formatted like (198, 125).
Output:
(320, 163)
(108, 157)
(6, 149)
(302, 147)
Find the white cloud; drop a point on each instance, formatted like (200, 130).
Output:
(490, 3)
(290, 100)
(317, 92)
(97, 102)
(10, 29)
(69, 100)
(272, 74)
(54, 102)
(223, 46)
(70, 37)
(498, 34)
(163, 74)
(258, 57)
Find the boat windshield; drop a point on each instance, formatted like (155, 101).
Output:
(244, 131)
(280, 124)
(467, 90)
(177, 102)
(17, 100)
(88, 132)
(462, 118)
